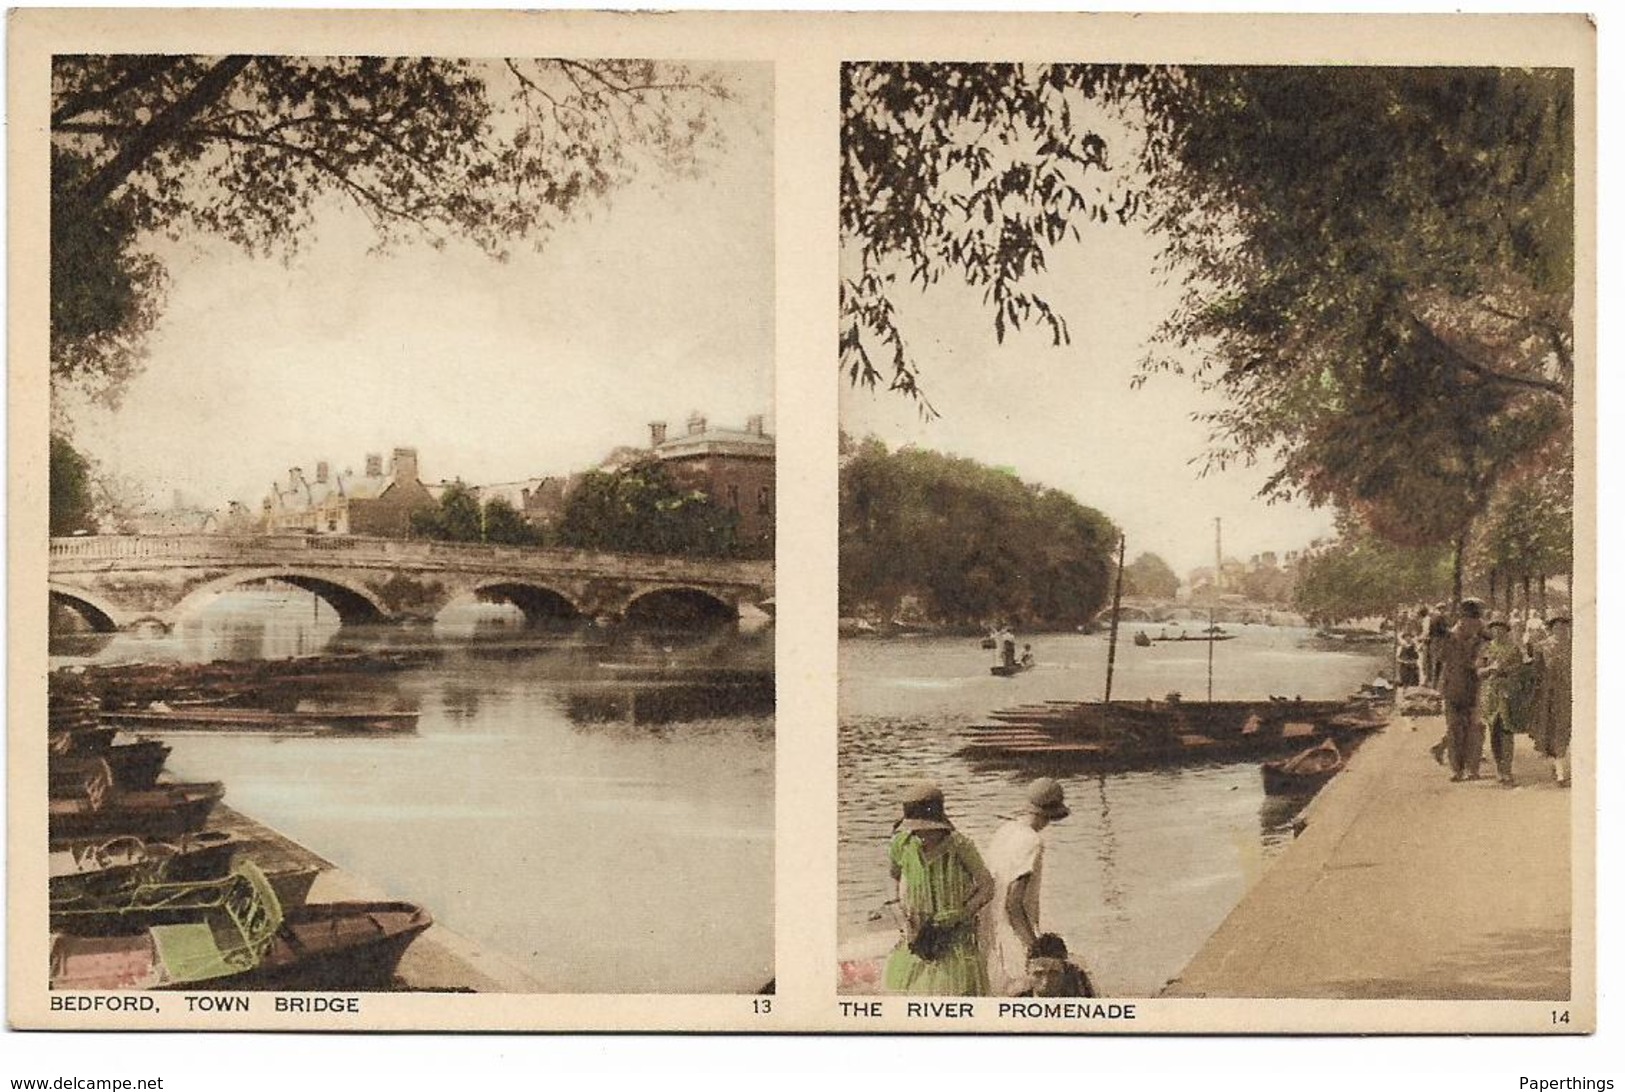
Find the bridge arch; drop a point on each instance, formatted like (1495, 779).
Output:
(101, 615)
(538, 602)
(354, 604)
(683, 606)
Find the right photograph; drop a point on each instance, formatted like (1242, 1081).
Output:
(1206, 544)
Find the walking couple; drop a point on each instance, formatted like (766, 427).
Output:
(971, 927)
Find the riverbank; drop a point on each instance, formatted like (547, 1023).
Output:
(438, 961)
(1406, 886)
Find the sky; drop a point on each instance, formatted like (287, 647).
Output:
(658, 305)
(1067, 417)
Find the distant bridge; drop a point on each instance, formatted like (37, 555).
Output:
(122, 581)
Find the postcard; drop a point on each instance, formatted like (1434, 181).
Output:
(802, 522)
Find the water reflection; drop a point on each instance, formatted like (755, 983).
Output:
(1150, 862)
(596, 804)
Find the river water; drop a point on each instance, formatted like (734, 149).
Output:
(607, 835)
(1148, 864)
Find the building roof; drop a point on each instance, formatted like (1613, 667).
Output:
(717, 441)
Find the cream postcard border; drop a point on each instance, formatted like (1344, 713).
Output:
(806, 50)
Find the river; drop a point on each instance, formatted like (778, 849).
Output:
(610, 836)
(1148, 864)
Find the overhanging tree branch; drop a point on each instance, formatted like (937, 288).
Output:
(162, 128)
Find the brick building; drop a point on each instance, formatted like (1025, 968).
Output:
(734, 467)
(371, 503)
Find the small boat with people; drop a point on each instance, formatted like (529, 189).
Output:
(1006, 670)
(1304, 773)
(1210, 634)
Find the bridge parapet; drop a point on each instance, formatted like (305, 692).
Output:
(92, 552)
(121, 580)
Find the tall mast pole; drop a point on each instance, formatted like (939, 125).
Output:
(1117, 606)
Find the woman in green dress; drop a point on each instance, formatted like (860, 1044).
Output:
(942, 883)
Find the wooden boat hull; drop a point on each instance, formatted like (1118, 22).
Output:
(1004, 672)
(218, 719)
(1304, 773)
(97, 870)
(168, 811)
(1279, 782)
(1149, 735)
(335, 946)
(132, 766)
(332, 946)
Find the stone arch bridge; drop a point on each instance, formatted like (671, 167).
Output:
(122, 581)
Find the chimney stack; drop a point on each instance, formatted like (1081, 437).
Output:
(696, 423)
(754, 425)
(657, 433)
(321, 472)
(296, 478)
(375, 466)
(404, 464)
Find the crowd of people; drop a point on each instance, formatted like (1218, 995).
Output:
(971, 924)
(1496, 677)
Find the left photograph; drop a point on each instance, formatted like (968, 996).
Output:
(412, 494)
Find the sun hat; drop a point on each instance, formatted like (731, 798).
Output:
(1045, 797)
(923, 808)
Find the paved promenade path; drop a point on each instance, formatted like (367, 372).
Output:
(1406, 886)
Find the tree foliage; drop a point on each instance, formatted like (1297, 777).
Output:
(72, 497)
(456, 518)
(1381, 286)
(1150, 575)
(972, 172)
(245, 148)
(504, 525)
(1377, 263)
(1363, 575)
(972, 544)
(645, 508)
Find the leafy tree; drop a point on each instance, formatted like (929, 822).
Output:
(455, 519)
(1380, 286)
(972, 172)
(971, 543)
(1150, 575)
(72, 498)
(645, 508)
(244, 147)
(1362, 575)
(504, 525)
(1527, 533)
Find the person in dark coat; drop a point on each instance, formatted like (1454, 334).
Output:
(1551, 718)
(1458, 656)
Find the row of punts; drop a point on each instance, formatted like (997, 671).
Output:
(147, 892)
(1130, 735)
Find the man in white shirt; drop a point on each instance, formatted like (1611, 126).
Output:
(1009, 924)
